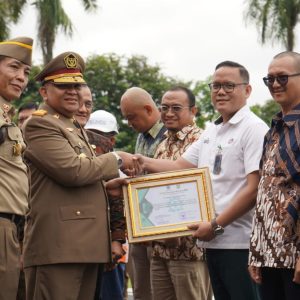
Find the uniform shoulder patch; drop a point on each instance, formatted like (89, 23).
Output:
(40, 113)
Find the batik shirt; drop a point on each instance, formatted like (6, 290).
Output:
(275, 239)
(147, 142)
(172, 148)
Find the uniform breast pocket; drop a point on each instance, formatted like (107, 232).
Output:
(68, 213)
(79, 146)
(13, 144)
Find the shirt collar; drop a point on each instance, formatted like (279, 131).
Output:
(181, 134)
(289, 119)
(237, 117)
(155, 129)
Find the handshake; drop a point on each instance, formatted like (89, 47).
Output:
(132, 164)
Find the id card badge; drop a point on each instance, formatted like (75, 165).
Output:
(218, 162)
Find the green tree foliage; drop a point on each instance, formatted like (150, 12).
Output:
(109, 76)
(266, 111)
(206, 111)
(51, 17)
(10, 12)
(276, 20)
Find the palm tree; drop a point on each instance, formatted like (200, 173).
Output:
(10, 12)
(275, 19)
(51, 18)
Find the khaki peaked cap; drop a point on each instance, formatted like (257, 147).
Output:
(67, 67)
(19, 48)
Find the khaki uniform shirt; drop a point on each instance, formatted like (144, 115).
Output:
(68, 220)
(14, 185)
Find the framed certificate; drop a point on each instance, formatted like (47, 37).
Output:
(161, 205)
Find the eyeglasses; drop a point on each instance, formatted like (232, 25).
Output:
(228, 87)
(175, 109)
(281, 79)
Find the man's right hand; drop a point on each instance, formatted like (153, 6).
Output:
(132, 164)
(255, 274)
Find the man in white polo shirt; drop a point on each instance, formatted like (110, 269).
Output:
(231, 147)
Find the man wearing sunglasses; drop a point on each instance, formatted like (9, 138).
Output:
(231, 147)
(275, 241)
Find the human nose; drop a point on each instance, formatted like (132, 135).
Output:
(169, 112)
(71, 90)
(82, 108)
(21, 75)
(221, 90)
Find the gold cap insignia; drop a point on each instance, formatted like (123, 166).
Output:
(40, 113)
(71, 61)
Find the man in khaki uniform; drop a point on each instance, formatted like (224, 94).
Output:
(15, 62)
(67, 232)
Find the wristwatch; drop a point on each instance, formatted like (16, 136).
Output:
(218, 229)
(119, 159)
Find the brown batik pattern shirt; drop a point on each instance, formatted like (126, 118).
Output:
(172, 148)
(275, 239)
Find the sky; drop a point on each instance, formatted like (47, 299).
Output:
(187, 39)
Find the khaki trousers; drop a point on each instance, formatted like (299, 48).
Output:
(140, 258)
(180, 279)
(61, 282)
(9, 260)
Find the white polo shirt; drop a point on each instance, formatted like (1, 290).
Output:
(240, 143)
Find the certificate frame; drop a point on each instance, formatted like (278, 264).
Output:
(193, 186)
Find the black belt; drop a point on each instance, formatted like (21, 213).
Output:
(13, 217)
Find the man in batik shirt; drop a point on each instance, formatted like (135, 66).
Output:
(275, 241)
(178, 269)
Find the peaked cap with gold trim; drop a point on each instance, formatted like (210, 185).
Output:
(63, 69)
(19, 48)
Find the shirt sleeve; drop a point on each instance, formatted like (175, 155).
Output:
(192, 153)
(252, 143)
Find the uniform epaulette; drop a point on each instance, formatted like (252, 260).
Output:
(40, 113)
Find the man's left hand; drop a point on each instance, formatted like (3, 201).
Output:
(114, 187)
(296, 278)
(203, 231)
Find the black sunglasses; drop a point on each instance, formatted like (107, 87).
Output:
(281, 79)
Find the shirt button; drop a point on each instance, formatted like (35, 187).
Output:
(78, 212)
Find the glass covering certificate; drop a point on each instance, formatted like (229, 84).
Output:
(161, 205)
(169, 204)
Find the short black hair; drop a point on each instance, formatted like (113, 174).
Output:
(189, 93)
(29, 105)
(231, 64)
